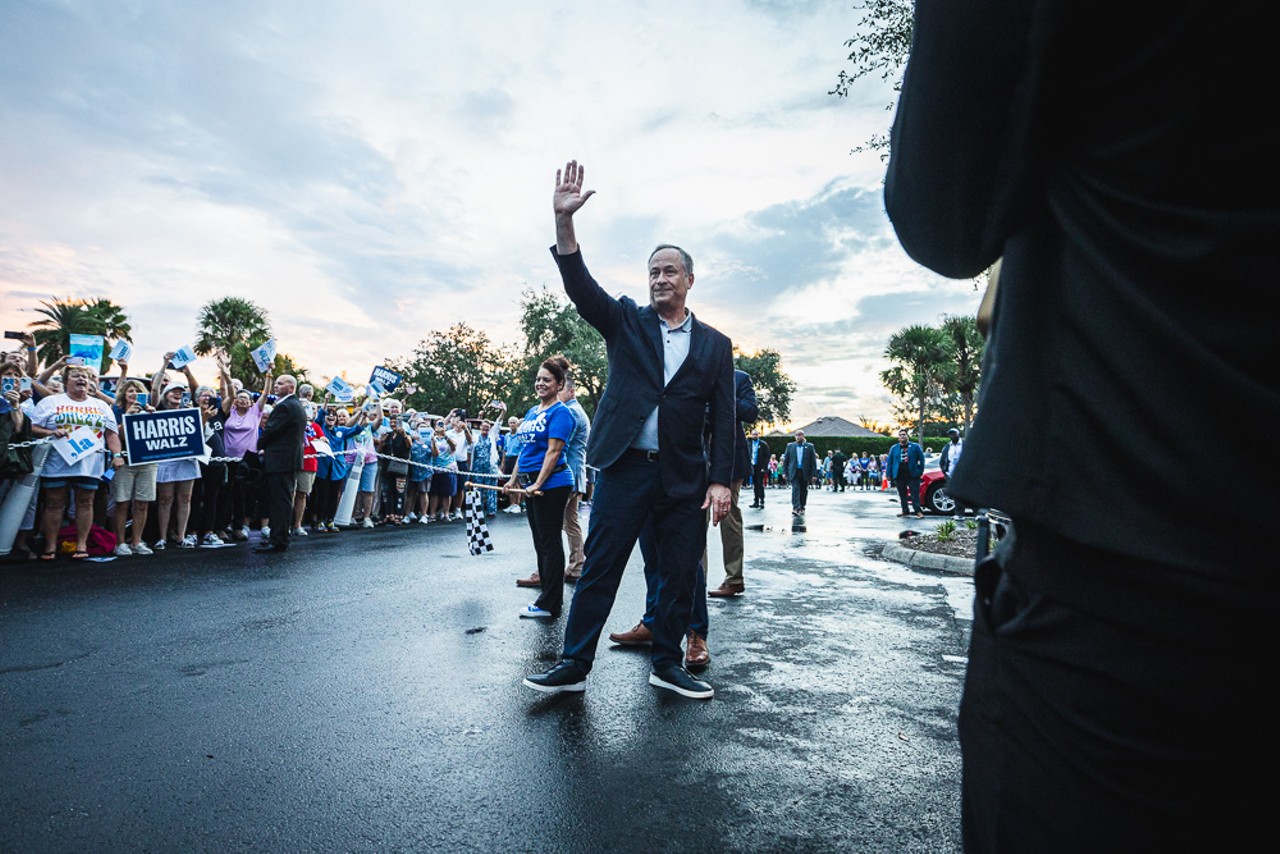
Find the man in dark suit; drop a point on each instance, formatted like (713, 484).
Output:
(669, 375)
(281, 444)
(800, 464)
(758, 451)
(1114, 641)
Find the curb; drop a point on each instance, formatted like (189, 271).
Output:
(927, 560)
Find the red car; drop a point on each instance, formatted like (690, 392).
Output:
(933, 493)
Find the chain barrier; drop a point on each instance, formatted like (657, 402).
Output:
(473, 474)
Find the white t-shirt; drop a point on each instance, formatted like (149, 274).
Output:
(461, 449)
(59, 410)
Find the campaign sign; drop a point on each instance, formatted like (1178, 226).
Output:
(121, 351)
(87, 347)
(341, 390)
(78, 444)
(264, 356)
(386, 378)
(182, 357)
(171, 434)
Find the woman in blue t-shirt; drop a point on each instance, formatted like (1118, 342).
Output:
(542, 473)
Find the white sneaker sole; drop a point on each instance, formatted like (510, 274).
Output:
(658, 682)
(572, 688)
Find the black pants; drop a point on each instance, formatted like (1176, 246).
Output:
(246, 481)
(277, 496)
(1114, 704)
(325, 495)
(213, 478)
(838, 482)
(546, 520)
(909, 491)
(393, 487)
(759, 480)
(629, 495)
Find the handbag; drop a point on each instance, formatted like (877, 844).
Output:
(398, 467)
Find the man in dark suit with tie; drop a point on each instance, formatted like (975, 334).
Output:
(669, 375)
(281, 444)
(758, 450)
(800, 463)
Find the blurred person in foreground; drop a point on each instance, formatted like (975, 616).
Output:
(1116, 696)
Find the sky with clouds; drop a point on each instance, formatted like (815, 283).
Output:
(370, 171)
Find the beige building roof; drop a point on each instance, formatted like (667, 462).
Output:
(834, 425)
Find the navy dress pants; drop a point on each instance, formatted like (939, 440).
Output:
(628, 496)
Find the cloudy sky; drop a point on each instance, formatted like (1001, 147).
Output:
(370, 171)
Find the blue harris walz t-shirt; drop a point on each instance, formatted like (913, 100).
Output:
(554, 422)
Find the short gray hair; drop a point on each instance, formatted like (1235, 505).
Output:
(684, 256)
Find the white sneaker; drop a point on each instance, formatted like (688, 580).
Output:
(160, 545)
(512, 508)
(190, 541)
(532, 611)
(266, 532)
(244, 532)
(457, 516)
(300, 532)
(210, 539)
(425, 520)
(141, 549)
(123, 550)
(367, 523)
(412, 517)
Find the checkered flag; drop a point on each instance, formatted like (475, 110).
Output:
(477, 531)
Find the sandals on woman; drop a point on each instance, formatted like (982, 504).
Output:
(48, 555)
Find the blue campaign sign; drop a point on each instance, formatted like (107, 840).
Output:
(385, 377)
(171, 434)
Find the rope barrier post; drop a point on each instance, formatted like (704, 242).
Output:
(347, 504)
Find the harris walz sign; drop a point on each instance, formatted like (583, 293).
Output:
(171, 434)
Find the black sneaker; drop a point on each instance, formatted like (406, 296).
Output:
(673, 677)
(565, 676)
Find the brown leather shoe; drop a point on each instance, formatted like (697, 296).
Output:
(534, 580)
(638, 636)
(696, 655)
(726, 589)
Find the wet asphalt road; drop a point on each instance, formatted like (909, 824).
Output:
(362, 693)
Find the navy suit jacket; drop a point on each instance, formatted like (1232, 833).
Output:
(701, 391)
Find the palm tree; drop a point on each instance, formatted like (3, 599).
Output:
(232, 326)
(966, 346)
(225, 322)
(66, 317)
(921, 361)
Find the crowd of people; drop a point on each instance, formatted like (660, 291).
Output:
(411, 465)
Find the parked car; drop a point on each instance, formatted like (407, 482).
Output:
(933, 493)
